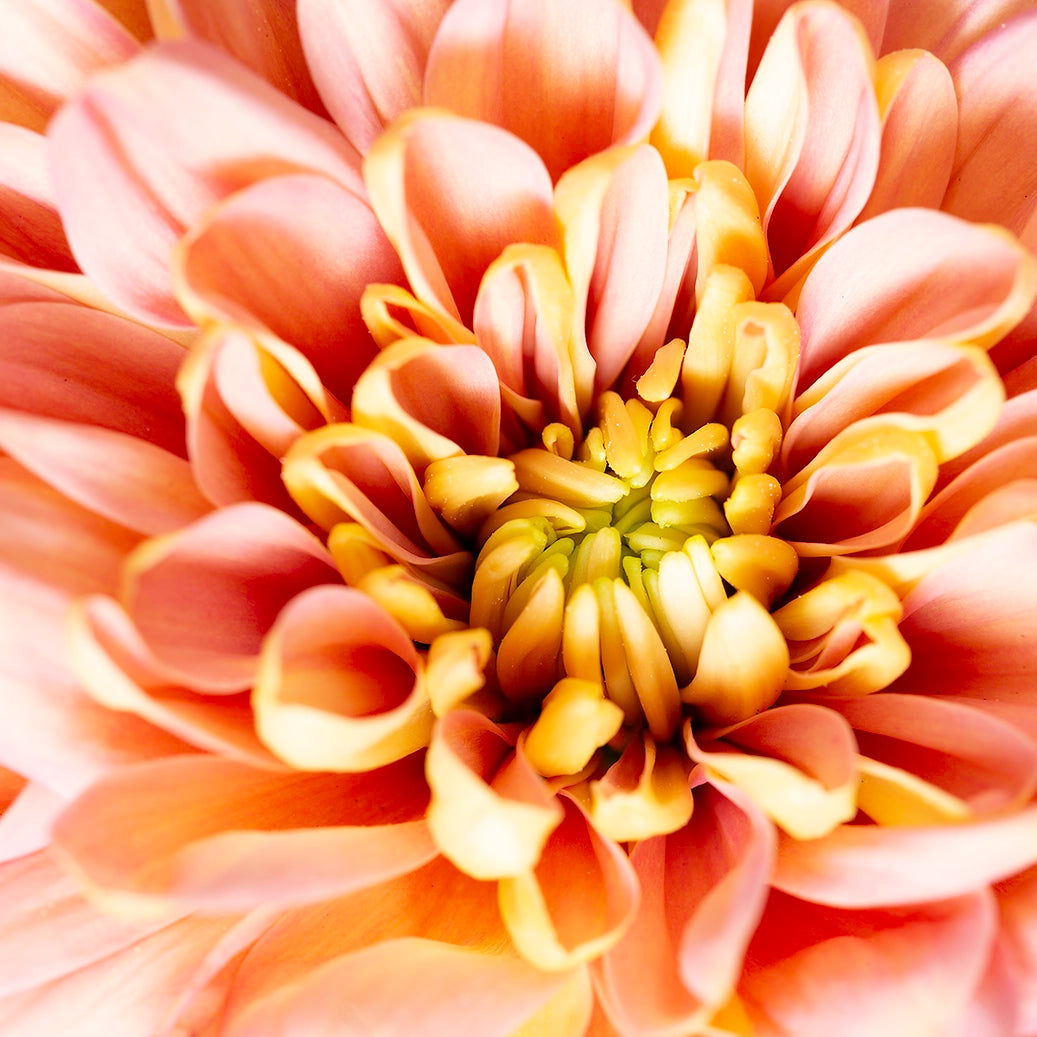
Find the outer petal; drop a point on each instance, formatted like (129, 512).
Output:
(451, 193)
(814, 973)
(368, 59)
(1017, 899)
(702, 891)
(569, 79)
(154, 168)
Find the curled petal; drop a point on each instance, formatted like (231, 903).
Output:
(203, 598)
(702, 891)
(911, 274)
(339, 685)
(491, 814)
(570, 80)
(451, 193)
(577, 900)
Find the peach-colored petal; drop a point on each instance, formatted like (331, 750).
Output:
(946, 29)
(1017, 899)
(213, 835)
(128, 480)
(339, 685)
(702, 891)
(368, 60)
(815, 973)
(233, 266)
(203, 598)
(919, 132)
(451, 193)
(491, 814)
(998, 125)
(47, 50)
(29, 810)
(155, 167)
(811, 132)
(264, 36)
(911, 274)
(61, 360)
(30, 227)
(873, 866)
(569, 79)
(413, 986)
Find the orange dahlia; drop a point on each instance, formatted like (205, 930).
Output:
(518, 518)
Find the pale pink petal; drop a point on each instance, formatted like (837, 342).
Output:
(702, 891)
(1017, 899)
(127, 480)
(368, 60)
(29, 810)
(569, 79)
(861, 866)
(235, 261)
(418, 987)
(919, 133)
(811, 133)
(30, 227)
(201, 833)
(911, 274)
(451, 193)
(47, 50)
(264, 36)
(203, 598)
(814, 972)
(995, 167)
(164, 137)
(61, 360)
(946, 29)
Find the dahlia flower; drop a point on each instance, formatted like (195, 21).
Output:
(518, 518)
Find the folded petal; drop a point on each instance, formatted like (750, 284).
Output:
(570, 80)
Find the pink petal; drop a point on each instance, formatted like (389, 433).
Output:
(263, 36)
(28, 811)
(946, 29)
(1017, 899)
(127, 480)
(204, 598)
(910, 274)
(47, 50)
(413, 986)
(235, 261)
(815, 972)
(208, 834)
(166, 136)
(702, 891)
(368, 59)
(811, 132)
(569, 79)
(995, 168)
(451, 193)
(61, 360)
(919, 133)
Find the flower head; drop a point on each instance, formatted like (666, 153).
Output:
(520, 518)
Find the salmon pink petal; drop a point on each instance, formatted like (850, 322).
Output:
(61, 360)
(946, 29)
(570, 80)
(339, 686)
(368, 59)
(702, 891)
(292, 255)
(219, 836)
(910, 274)
(413, 986)
(812, 132)
(873, 866)
(47, 50)
(128, 480)
(264, 36)
(155, 168)
(998, 125)
(1017, 899)
(451, 193)
(203, 598)
(30, 227)
(813, 973)
(28, 811)
(919, 132)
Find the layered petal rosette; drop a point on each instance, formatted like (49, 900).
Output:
(518, 518)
